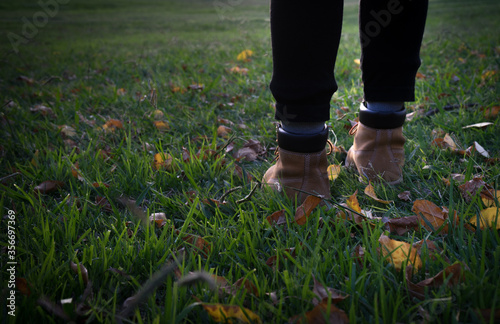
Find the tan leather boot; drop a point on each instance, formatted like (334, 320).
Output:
(378, 149)
(301, 165)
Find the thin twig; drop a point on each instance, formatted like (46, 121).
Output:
(224, 195)
(249, 195)
(9, 176)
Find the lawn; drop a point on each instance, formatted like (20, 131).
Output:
(134, 134)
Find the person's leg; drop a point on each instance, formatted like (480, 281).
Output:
(391, 34)
(305, 38)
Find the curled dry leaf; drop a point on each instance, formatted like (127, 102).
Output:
(451, 275)
(48, 186)
(304, 210)
(398, 253)
(42, 110)
(405, 195)
(478, 125)
(246, 153)
(491, 112)
(67, 131)
(333, 171)
(323, 293)
(198, 242)
(158, 114)
(160, 219)
(477, 185)
(370, 192)
(244, 55)
(222, 313)
(277, 218)
(82, 269)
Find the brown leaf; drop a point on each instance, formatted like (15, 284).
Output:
(223, 131)
(104, 204)
(48, 186)
(453, 274)
(25, 79)
(83, 271)
(42, 110)
(370, 192)
(244, 283)
(486, 315)
(272, 260)
(403, 225)
(198, 242)
(428, 212)
(23, 287)
(277, 218)
(304, 210)
(491, 112)
(472, 187)
(405, 195)
(358, 255)
(323, 292)
(322, 314)
(246, 153)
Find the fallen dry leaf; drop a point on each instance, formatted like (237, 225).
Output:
(478, 125)
(431, 216)
(42, 110)
(333, 171)
(48, 186)
(246, 153)
(352, 202)
(491, 112)
(223, 131)
(452, 275)
(370, 192)
(271, 261)
(112, 124)
(158, 114)
(476, 186)
(244, 55)
(403, 225)
(223, 313)
(23, 287)
(490, 201)
(488, 218)
(67, 131)
(277, 218)
(322, 314)
(405, 195)
(162, 161)
(161, 125)
(398, 253)
(304, 210)
(323, 292)
(160, 219)
(82, 269)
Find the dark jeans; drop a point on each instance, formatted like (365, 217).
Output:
(305, 37)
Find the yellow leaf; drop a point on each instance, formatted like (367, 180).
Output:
(162, 161)
(161, 125)
(158, 114)
(489, 218)
(121, 92)
(357, 61)
(398, 253)
(370, 192)
(333, 171)
(244, 55)
(352, 202)
(489, 202)
(221, 313)
(112, 125)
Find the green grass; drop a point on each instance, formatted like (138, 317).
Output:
(88, 51)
